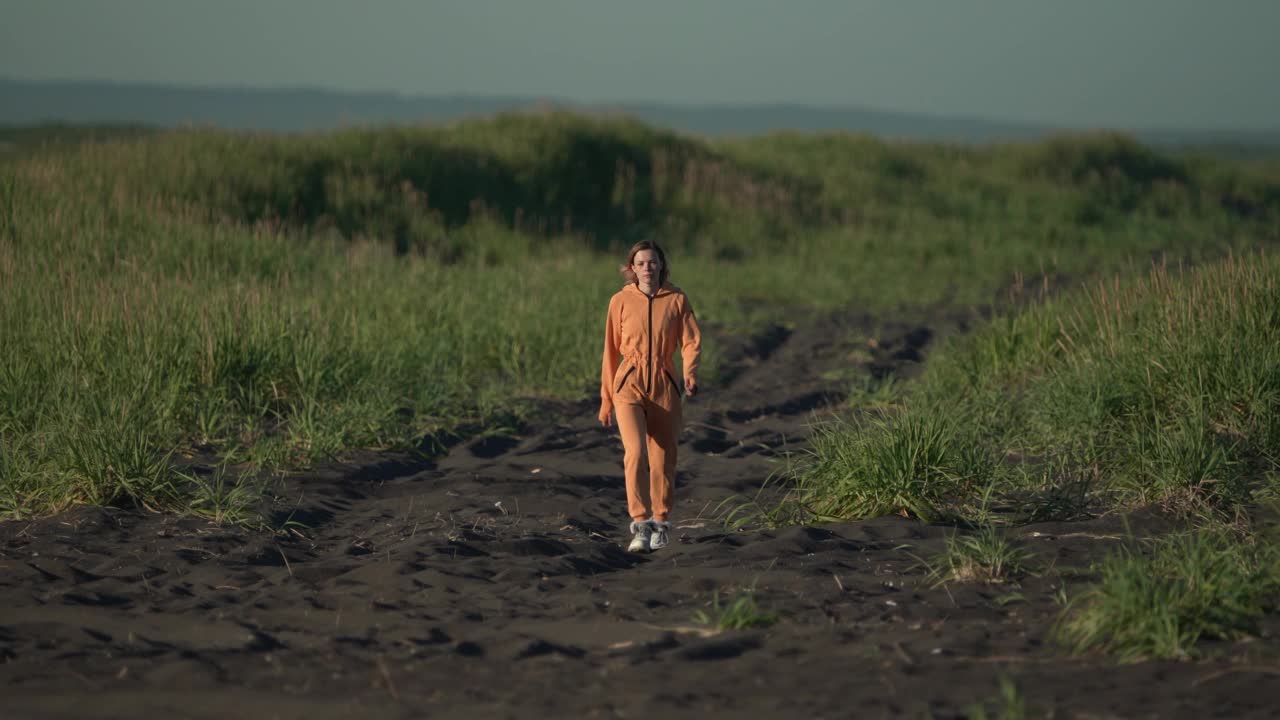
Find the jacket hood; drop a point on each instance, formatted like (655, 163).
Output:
(666, 289)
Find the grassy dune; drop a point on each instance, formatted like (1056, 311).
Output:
(278, 300)
(1154, 391)
(1158, 390)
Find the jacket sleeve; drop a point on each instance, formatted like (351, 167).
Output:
(690, 339)
(612, 355)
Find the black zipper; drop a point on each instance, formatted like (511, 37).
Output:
(649, 358)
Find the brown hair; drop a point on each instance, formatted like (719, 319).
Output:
(630, 274)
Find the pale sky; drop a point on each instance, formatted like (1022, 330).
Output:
(1117, 63)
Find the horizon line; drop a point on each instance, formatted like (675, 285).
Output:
(669, 104)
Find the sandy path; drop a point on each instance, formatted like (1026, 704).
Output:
(493, 583)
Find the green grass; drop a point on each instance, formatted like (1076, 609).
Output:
(739, 614)
(916, 465)
(287, 299)
(1160, 602)
(1009, 705)
(1159, 390)
(984, 556)
(225, 500)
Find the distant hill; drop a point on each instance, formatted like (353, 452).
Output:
(24, 102)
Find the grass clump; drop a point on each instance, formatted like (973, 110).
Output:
(917, 464)
(1009, 705)
(223, 499)
(1160, 603)
(984, 556)
(739, 614)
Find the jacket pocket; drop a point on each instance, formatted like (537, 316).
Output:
(673, 380)
(624, 378)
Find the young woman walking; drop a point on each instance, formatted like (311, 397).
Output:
(649, 319)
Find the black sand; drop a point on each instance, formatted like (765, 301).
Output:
(493, 583)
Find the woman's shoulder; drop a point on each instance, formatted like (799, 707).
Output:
(679, 295)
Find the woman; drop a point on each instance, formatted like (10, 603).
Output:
(649, 319)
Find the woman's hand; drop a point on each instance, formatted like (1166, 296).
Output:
(606, 417)
(690, 386)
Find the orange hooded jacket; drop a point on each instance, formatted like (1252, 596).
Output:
(641, 335)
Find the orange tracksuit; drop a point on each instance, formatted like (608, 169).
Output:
(643, 333)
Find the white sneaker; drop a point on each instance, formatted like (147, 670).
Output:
(658, 539)
(640, 540)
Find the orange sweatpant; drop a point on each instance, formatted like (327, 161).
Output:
(649, 435)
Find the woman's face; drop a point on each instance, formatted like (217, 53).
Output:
(647, 266)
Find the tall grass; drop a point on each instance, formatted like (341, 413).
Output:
(1162, 389)
(285, 299)
(106, 375)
